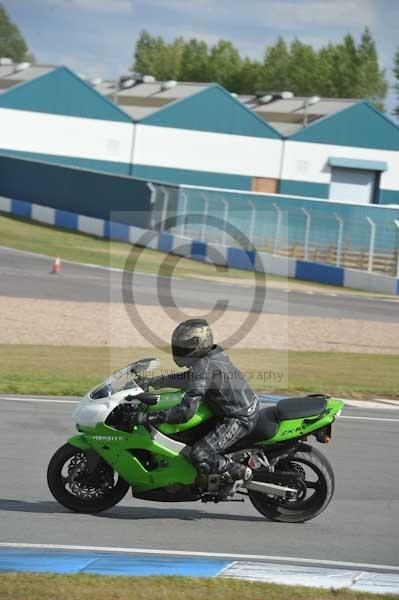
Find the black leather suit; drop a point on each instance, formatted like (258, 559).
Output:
(216, 380)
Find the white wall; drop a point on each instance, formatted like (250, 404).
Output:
(304, 161)
(65, 136)
(205, 151)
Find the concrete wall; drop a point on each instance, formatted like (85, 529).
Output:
(74, 190)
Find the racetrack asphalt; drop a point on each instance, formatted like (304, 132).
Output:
(28, 276)
(361, 524)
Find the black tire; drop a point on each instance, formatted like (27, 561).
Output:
(57, 484)
(306, 508)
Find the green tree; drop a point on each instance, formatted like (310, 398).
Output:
(341, 70)
(224, 64)
(396, 73)
(303, 69)
(369, 81)
(247, 78)
(275, 72)
(327, 84)
(12, 44)
(195, 61)
(147, 54)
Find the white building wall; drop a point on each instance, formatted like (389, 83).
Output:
(59, 135)
(308, 162)
(205, 151)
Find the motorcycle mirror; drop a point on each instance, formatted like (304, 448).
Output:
(145, 364)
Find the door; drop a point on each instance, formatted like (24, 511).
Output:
(352, 185)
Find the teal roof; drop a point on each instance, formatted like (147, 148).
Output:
(360, 125)
(61, 92)
(215, 110)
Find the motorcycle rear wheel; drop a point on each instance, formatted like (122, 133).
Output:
(73, 492)
(307, 505)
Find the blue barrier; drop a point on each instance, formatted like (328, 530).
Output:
(21, 208)
(165, 242)
(238, 258)
(321, 273)
(198, 250)
(66, 219)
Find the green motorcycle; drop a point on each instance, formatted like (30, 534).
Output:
(292, 481)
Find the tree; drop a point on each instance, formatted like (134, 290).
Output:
(247, 79)
(12, 44)
(396, 73)
(153, 57)
(369, 80)
(224, 64)
(303, 69)
(194, 61)
(341, 70)
(275, 71)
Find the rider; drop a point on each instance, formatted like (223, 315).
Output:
(211, 377)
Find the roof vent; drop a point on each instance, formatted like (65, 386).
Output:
(168, 85)
(148, 79)
(96, 81)
(265, 99)
(22, 66)
(126, 82)
(5, 61)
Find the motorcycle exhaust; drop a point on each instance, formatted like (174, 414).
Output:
(271, 488)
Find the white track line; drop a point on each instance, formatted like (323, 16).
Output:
(51, 400)
(151, 551)
(369, 418)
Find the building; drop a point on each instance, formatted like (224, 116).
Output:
(204, 137)
(200, 134)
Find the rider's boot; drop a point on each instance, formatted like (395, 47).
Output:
(235, 476)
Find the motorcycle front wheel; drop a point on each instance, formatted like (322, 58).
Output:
(314, 482)
(72, 486)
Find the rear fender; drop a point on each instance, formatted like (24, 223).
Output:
(297, 428)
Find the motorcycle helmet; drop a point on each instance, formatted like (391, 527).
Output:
(191, 340)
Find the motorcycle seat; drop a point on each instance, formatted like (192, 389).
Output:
(288, 408)
(297, 408)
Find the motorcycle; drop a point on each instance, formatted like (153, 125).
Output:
(116, 449)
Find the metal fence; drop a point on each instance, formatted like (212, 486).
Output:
(363, 237)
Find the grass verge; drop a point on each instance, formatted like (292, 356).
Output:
(14, 586)
(57, 370)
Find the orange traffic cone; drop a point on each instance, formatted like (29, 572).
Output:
(56, 266)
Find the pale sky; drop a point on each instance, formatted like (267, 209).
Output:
(97, 37)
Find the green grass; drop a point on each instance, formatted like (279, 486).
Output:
(56, 370)
(35, 586)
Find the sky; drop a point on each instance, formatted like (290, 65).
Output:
(97, 37)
